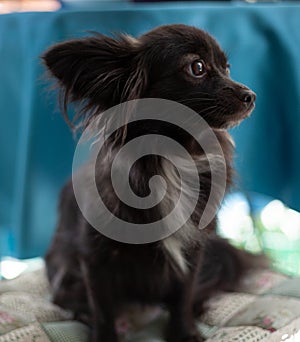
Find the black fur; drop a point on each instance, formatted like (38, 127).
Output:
(93, 275)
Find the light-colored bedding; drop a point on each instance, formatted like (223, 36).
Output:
(266, 308)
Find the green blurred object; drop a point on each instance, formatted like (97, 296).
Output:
(278, 229)
(259, 223)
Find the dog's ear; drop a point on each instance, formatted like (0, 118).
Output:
(100, 71)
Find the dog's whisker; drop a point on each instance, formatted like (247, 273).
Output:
(208, 110)
(195, 99)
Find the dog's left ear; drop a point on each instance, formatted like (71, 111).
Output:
(99, 70)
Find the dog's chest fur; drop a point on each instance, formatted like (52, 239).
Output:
(172, 251)
(136, 273)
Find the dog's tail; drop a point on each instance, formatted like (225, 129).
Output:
(223, 267)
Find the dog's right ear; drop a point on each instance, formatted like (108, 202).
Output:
(100, 71)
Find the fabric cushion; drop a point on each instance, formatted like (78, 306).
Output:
(266, 308)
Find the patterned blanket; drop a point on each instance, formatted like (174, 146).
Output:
(266, 308)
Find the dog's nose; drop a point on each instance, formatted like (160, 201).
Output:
(247, 96)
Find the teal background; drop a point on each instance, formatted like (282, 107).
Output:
(36, 147)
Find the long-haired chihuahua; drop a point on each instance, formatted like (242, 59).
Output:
(94, 275)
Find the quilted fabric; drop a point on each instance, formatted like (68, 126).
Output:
(266, 308)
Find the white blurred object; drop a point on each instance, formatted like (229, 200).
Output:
(273, 214)
(8, 6)
(276, 216)
(235, 222)
(11, 268)
(234, 215)
(292, 338)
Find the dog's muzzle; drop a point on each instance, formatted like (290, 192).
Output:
(247, 96)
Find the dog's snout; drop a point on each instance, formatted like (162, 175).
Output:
(247, 96)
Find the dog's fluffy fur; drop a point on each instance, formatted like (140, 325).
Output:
(95, 276)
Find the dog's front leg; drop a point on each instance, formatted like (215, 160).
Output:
(182, 326)
(101, 307)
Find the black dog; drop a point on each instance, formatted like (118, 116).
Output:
(94, 275)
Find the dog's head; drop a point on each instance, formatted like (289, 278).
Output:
(175, 62)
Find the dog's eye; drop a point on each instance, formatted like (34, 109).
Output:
(197, 68)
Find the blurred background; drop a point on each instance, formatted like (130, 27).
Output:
(36, 147)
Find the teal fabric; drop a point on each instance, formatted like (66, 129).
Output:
(263, 43)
